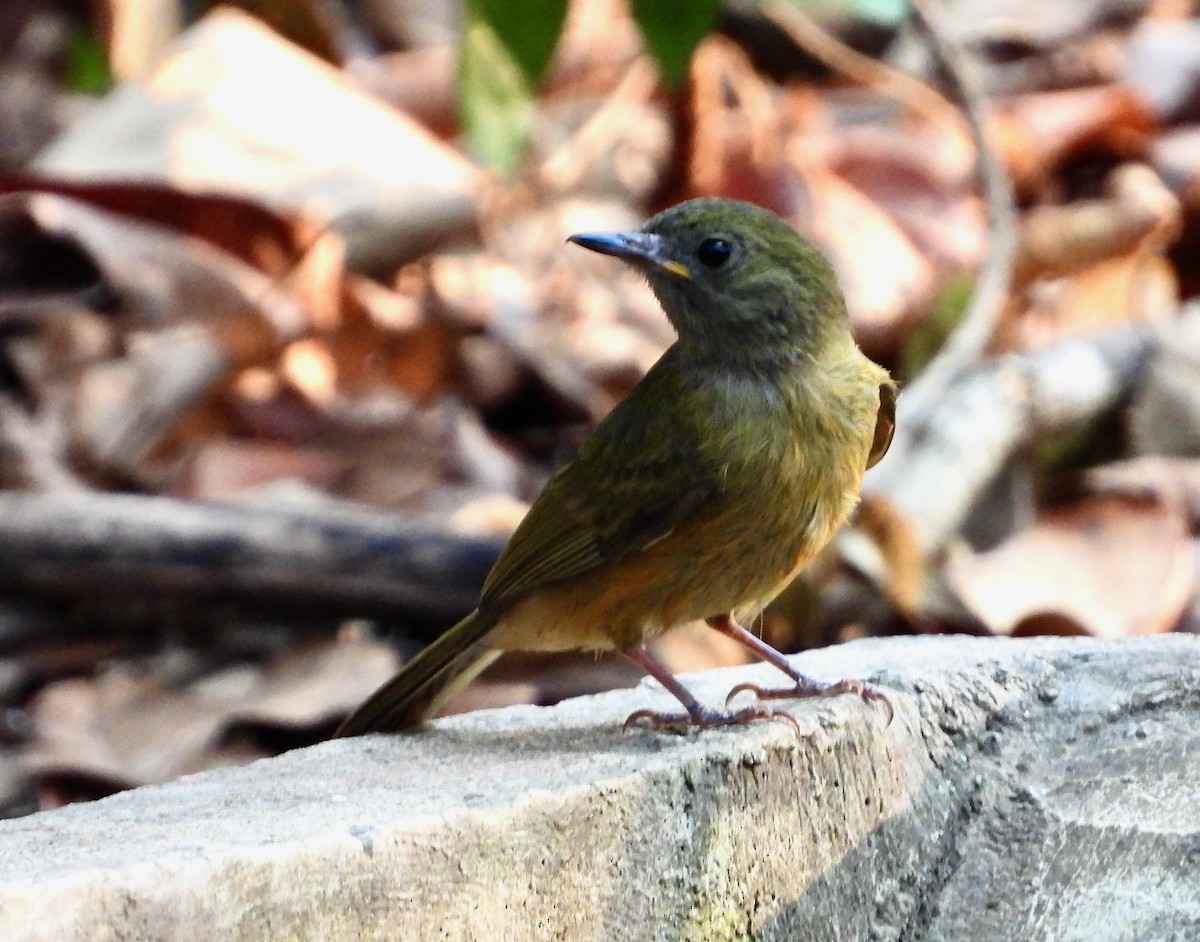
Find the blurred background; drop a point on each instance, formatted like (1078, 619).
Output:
(289, 335)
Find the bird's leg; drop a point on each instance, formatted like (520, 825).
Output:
(805, 686)
(698, 716)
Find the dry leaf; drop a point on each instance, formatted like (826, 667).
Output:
(1116, 565)
(1173, 481)
(589, 331)
(881, 544)
(237, 109)
(313, 684)
(887, 282)
(1039, 133)
(268, 240)
(124, 728)
(1059, 240)
(1134, 287)
(128, 728)
(418, 82)
(189, 314)
(935, 208)
(225, 467)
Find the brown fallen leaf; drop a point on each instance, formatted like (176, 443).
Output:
(887, 282)
(1134, 287)
(219, 112)
(128, 726)
(183, 316)
(313, 684)
(220, 468)
(1063, 239)
(587, 331)
(1040, 132)
(1175, 155)
(384, 449)
(882, 544)
(490, 374)
(934, 206)
(1049, 623)
(1158, 477)
(266, 239)
(618, 147)
(418, 82)
(390, 338)
(123, 728)
(737, 125)
(1116, 565)
(1091, 264)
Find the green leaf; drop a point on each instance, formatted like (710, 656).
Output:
(495, 100)
(672, 30)
(86, 68)
(528, 29)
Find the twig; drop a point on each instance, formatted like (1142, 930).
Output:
(854, 65)
(307, 561)
(967, 343)
(567, 165)
(993, 412)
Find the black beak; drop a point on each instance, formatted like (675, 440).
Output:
(643, 249)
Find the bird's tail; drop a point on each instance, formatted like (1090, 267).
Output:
(426, 682)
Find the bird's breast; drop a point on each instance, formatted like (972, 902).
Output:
(801, 451)
(790, 471)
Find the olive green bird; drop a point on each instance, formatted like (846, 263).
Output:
(704, 492)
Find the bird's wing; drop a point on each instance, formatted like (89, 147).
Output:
(581, 522)
(885, 423)
(638, 477)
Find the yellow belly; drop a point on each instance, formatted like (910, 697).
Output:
(785, 494)
(716, 565)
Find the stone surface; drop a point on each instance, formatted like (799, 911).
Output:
(1044, 790)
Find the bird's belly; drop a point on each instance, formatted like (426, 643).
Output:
(725, 562)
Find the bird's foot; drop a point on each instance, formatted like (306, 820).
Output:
(805, 688)
(705, 718)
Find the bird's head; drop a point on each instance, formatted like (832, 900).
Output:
(734, 279)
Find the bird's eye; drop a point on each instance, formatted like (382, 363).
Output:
(713, 253)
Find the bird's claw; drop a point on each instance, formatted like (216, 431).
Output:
(760, 693)
(707, 719)
(809, 688)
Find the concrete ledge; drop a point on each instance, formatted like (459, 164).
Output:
(1026, 790)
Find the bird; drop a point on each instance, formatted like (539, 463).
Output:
(703, 493)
